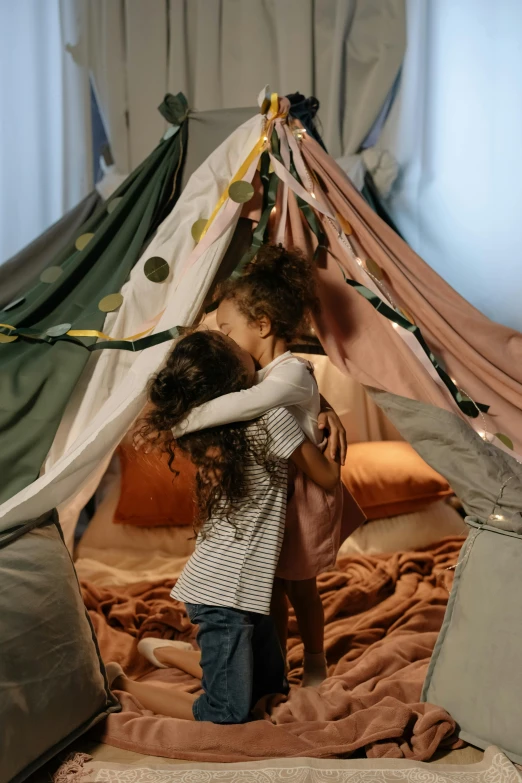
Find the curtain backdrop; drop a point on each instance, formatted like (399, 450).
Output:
(45, 162)
(220, 53)
(455, 131)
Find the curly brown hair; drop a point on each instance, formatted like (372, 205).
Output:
(201, 367)
(278, 284)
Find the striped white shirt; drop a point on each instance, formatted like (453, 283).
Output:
(234, 564)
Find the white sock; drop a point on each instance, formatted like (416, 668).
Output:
(147, 647)
(315, 671)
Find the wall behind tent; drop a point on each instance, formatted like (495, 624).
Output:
(455, 130)
(45, 137)
(220, 53)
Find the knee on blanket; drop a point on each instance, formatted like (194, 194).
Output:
(232, 712)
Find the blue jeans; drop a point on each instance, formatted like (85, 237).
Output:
(241, 659)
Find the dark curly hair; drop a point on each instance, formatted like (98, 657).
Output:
(278, 284)
(201, 367)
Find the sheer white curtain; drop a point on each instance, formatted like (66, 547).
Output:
(45, 165)
(456, 130)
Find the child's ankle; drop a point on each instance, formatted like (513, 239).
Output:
(314, 659)
(314, 669)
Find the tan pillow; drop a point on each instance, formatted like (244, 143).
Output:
(389, 478)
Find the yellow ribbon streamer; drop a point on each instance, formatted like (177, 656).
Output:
(274, 104)
(240, 173)
(103, 336)
(93, 333)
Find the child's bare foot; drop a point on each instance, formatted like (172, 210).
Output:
(156, 698)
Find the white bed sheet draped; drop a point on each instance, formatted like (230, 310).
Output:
(111, 392)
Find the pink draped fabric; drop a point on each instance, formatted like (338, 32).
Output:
(483, 357)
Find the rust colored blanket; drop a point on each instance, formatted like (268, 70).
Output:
(383, 614)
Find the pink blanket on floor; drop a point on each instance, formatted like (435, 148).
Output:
(383, 614)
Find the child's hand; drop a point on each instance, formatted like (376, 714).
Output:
(142, 444)
(138, 435)
(337, 444)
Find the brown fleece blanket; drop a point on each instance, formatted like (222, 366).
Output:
(383, 614)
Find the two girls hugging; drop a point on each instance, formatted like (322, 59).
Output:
(268, 492)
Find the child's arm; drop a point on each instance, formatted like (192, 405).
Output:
(288, 384)
(287, 441)
(319, 467)
(337, 442)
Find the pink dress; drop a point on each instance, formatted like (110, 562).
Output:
(317, 523)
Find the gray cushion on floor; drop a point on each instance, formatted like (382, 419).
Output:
(476, 668)
(52, 680)
(475, 672)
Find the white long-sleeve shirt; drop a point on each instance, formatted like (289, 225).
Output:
(286, 382)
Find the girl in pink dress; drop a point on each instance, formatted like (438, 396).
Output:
(263, 311)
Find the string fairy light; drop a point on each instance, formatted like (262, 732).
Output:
(379, 283)
(299, 133)
(484, 434)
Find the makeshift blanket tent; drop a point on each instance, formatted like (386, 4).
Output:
(380, 303)
(33, 296)
(36, 298)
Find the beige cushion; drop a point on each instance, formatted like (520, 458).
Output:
(406, 531)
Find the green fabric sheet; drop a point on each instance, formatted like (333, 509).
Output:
(36, 379)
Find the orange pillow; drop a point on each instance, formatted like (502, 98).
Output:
(151, 494)
(389, 478)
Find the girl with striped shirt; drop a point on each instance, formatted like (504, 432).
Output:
(241, 491)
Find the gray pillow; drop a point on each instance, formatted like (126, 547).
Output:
(475, 672)
(52, 680)
(487, 480)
